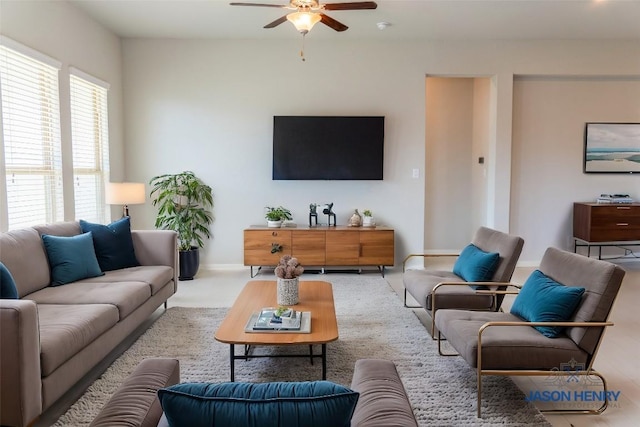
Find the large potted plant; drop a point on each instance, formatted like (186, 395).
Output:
(184, 204)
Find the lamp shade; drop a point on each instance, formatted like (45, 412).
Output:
(304, 21)
(125, 193)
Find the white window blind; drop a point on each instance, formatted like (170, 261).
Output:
(90, 141)
(31, 138)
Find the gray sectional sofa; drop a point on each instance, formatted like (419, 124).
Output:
(52, 336)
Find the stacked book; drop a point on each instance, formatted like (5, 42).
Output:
(271, 318)
(277, 320)
(614, 198)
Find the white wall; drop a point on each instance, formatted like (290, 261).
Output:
(60, 31)
(208, 106)
(548, 140)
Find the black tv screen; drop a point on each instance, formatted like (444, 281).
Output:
(328, 147)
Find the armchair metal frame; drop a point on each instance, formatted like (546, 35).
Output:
(589, 371)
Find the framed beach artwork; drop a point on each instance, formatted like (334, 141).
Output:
(612, 148)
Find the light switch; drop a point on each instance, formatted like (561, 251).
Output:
(416, 173)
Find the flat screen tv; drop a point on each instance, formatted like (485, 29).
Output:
(328, 147)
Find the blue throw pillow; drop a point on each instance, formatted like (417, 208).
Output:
(113, 243)
(476, 265)
(71, 258)
(291, 404)
(542, 299)
(8, 288)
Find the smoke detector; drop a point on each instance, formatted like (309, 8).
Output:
(383, 25)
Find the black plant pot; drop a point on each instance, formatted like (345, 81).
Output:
(189, 263)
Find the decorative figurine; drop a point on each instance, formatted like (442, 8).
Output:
(327, 211)
(355, 220)
(313, 214)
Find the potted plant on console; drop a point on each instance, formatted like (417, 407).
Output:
(276, 215)
(367, 220)
(184, 204)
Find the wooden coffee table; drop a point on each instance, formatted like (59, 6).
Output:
(315, 296)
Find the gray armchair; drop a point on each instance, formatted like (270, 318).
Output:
(438, 289)
(505, 344)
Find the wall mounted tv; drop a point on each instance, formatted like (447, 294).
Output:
(328, 147)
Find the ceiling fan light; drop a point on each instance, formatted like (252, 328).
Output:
(303, 21)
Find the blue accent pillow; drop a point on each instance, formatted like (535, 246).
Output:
(476, 265)
(8, 288)
(542, 299)
(71, 258)
(113, 243)
(276, 404)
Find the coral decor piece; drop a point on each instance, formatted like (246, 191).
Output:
(287, 271)
(288, 268)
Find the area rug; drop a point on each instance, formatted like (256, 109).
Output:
(372, 323)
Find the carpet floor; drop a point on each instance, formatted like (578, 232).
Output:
(372, 323)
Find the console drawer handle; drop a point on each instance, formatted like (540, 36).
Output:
(622, 223)
(623, 207)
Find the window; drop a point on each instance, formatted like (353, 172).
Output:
(90, 141)
(30, 136)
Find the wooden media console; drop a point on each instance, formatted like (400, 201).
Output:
(320, 246)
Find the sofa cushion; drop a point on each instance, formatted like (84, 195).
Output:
(67, 329)
(602, 281)
(420, 283)
(113, 243)
(7, 284)
(542, 299)
(29, 272)
(126, 296)
(308, 404)
(505, 347)
(157, 276)
(62, 229)
(71, 258)
(476, 265)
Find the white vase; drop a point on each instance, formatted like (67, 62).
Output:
(368, 221)
(274, 224)
(287, 291)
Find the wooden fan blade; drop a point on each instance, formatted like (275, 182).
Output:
(276, 22)
(351, 6)
(330, 22)
(258, 4)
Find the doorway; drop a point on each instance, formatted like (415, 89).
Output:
(457, 135)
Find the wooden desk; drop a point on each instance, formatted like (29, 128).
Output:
(315, 296)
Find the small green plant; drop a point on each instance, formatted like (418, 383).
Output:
(367, 212)
(281, 309)
(277, 214)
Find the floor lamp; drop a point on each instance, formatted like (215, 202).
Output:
(125, 194)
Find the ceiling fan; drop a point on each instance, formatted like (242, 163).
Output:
(307, 13)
